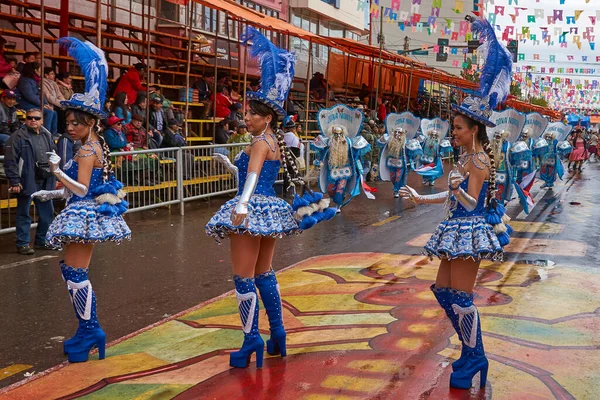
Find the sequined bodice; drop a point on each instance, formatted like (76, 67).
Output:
(72, 169)
(458, 211)
(268, 175)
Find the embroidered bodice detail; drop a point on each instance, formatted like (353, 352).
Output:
(266, 179)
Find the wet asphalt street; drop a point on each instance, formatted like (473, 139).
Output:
(170, 264)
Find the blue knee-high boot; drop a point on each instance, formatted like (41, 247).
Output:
(245, 293)
(89, 333)
(269, 293)
(444, 298)
(470, 328)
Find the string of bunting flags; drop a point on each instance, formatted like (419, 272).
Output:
(562, 27)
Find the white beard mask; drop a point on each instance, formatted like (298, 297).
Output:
(338, 149)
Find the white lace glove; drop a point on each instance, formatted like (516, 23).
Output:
(410, 194)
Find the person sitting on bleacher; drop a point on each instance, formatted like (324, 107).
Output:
(137, 135)
(9, 122)
(30, 91)
(223, 102)
(204, 84)
(114, 136)
(172, 136)
(54, 96)
(121, 107)
(131, 82)
(28, 58)
(158, 118)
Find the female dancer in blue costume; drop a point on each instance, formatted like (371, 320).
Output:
(474, 229)
(256, 217)
(94, 199)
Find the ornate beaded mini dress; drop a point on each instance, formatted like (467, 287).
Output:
(268, 215)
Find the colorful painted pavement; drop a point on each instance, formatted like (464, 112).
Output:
(362, 325)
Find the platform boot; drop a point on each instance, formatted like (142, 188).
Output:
(470, 328)
(89, 333)
(247, 299)
(271, 297)
(444, 298)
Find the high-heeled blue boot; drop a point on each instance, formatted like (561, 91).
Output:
(271, 298)
(470, 329)
(89, 333)
(444, 298)
(245, 293)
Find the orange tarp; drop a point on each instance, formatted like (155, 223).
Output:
(242, 13)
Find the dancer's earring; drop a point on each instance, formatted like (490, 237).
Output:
(473, 143)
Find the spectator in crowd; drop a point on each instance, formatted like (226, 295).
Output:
(9, 122)
(381, 109)
(137, 135)
(114, 136)
(364, 93)
(6, 68)
(29, 88)
(28, 58)
(295, 146)
(148, 163)
(53, 96)
(140, 106)
(318, 86)
(241, 135)
(223, 102)
(27, 169)
(108, 107)
(121, 107)
(158, 120)
(222, 132)
(67, 148)
(64, 80)
(172, 135)
(131, 82)
(204, 86)
(154, 90)
(254, 85)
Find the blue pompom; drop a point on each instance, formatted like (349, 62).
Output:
(317, 196)
(299, 202)
(108, 210)
(500, 209)
(509, 229)
(503, 238)
(307, 222)
(493, 218)
(103, 189)
(122, 207)
(329, 213)
(318, 216)
(116, 183)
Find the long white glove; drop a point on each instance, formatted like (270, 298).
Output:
(455, 178)
(45, 195)
(223, 159)
(78, 189)
(410, 194)
(241, 209)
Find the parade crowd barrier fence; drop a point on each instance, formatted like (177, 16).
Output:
(160, 178)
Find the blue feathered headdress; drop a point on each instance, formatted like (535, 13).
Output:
(277, 70)
(495, 78)
(95, 69)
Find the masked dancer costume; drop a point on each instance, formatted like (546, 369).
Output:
(549, 150)
(397, 156)
(475, 227)
(266, 214)
(339, 150)
(431, 167)
(93, 214)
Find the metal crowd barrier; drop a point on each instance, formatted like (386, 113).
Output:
(159, 178)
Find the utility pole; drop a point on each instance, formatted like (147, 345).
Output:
(406, 43)
(380, 38)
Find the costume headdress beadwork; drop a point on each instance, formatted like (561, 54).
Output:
(95, 69)
(277, 70)
(495, 78)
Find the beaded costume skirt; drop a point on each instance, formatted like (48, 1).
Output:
(267, 216)
(81, 222)
(468, 237)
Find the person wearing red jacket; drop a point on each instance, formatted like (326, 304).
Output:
(131, 82)
(223, 101)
